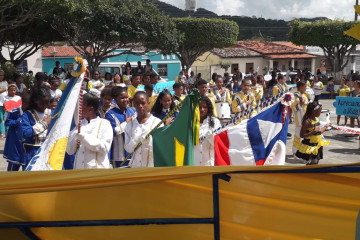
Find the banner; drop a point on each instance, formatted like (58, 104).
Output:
(347, 106)
(257, 202)
(161, 86)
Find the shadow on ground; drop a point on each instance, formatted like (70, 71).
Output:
(346, 151)
(291, 160)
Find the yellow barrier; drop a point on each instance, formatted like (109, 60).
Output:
(257, 203)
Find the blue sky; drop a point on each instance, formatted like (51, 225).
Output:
(277, 9)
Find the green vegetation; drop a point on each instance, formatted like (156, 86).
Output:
(328, 35)
(199, 35)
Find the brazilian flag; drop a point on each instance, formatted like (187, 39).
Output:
(173, 144)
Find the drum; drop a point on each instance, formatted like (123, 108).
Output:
(223, 110)
(325, 115)
(310, 94)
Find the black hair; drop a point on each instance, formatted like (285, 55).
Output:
(310, 108)
(53, 100)
(217, 77)
(25, 98)
(245, 80)
(57, 62)
(357, 82)
(107, 91)
(201, 82)
(40, 76)
(177, 85)
(37, 94)
(91, 100)
(157, 108)
(214, 76)
(107, 73)
(280, 76)
(149, 87)
(153, 75)
(141, 93)
(300, 83)
(116, 91)
(135, 75)
(330, 79)
(68, 75)
(210, 112)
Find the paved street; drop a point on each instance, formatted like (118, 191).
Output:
(342, 149)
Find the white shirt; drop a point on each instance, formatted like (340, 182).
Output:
(55, 93)
(204, 152)
(21, 89)
(3, 85)
(95, 145)
(97, 82)
(135, 133)
(317, 85)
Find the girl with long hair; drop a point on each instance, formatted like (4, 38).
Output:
(204, 152)
(311, 147)
(163, 106)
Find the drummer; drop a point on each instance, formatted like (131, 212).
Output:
(244, 101)
(202, 86)
(221, 93)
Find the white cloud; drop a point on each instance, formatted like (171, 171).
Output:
(277, 9)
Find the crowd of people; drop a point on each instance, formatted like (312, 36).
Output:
(118, 115)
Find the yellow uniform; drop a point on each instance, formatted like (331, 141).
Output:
(177, 100)
(131, 91)
(225, 97)
(212, 99)
(278, 88)
(152, 101)
(239, 105)
(344, 92)
(299, 112)
(258, 92)
(311, 146)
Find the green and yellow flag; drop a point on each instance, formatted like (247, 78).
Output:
(173, 144)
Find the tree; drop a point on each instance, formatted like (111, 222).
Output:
(19, 13)
(200, 35)
(329, 36)
(96, 28)
(21, 38)
(21, 42)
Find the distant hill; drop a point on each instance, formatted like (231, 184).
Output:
(250, 27)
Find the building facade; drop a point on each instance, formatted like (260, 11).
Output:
(167, 66)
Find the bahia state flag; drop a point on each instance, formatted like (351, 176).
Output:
(50, 155)
(258, 141)
(173, 144)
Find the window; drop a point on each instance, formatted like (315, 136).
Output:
(163, 70)
(111, 70)
(23, 67)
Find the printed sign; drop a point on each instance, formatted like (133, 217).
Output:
(348, 106)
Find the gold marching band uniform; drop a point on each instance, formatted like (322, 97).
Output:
(258, 92)
(278, 88)
(239, 105)
(299, 112)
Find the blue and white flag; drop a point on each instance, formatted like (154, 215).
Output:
(258, 141)
(50, 155)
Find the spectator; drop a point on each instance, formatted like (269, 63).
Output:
(58, 70)
(148, 67)
(139, 69)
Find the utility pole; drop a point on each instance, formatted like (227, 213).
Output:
(356, 14)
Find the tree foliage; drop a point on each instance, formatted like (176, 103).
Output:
(97, 28)
(328, 35)
(28, 28)
(199, 35)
